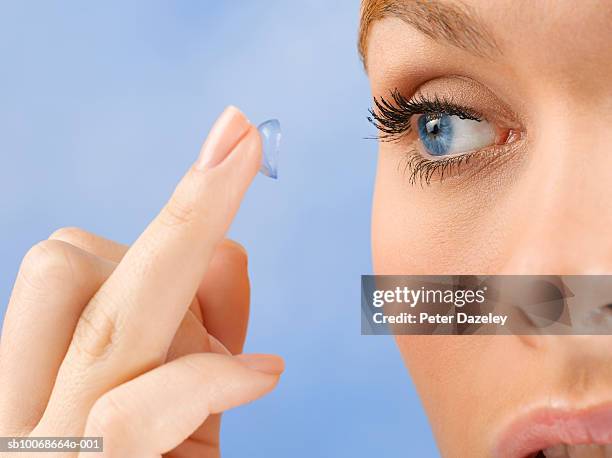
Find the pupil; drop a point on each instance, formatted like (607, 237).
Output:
(436, 133)
(433, 127)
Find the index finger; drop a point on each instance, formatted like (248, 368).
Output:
(128, 325)
(159, 275)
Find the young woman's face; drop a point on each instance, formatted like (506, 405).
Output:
(527, 190)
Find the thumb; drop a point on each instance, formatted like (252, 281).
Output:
(158, 410)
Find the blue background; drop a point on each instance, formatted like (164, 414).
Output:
(103, 106)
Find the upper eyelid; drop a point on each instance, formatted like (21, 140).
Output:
(421, 103)
(392, 119)
(458, 89)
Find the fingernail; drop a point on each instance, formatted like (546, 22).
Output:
(228, 129)
(268, 364)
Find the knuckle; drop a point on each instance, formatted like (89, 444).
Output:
(96, 331)
(108, 418)
(178, 212)
(195, 364)
(47, 262)
(204, 367)
(194, 201)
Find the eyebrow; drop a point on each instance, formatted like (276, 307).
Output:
(455, 24)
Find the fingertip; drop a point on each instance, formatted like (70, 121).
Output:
(227, 131)
(249, 148)
(235, 251)
(267, 364)
(239, 168)
(235, 111)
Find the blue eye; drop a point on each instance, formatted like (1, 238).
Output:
(443, 135)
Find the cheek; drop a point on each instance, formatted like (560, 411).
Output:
(438, 230)
(432, 230)
(437, 366)
(453, 377)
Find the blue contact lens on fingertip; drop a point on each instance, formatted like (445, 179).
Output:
(270, 132)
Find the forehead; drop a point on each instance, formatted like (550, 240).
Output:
(564, 25)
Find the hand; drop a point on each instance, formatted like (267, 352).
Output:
(136, 345)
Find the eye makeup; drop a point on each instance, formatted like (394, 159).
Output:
(441, 129)
(392, 117)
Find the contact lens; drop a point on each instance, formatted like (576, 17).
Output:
(270, 132)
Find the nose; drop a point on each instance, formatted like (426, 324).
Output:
(563, 197)
(564, 203)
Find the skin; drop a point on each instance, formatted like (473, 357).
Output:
(110, 333)
(115, 349)
(543, 209)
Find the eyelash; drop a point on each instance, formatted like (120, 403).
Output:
(392, 118)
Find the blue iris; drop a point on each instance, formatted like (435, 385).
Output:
(436, 133)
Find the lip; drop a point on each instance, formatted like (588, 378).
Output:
(546, 427)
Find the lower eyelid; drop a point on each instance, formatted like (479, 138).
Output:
(425, 171)
(421, 170)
